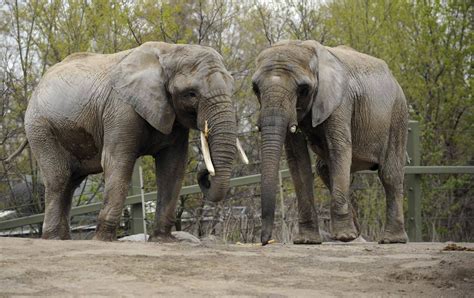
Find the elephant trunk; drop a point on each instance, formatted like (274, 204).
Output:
(274, 124)
(221, 138)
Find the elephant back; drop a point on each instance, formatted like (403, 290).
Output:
(359, 63)
(75, 87)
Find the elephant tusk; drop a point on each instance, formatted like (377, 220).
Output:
(242, 154)
(206, 154)
(206, 129)
(293, 129)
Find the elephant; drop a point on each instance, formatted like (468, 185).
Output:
(24, 197)
(350, 111)
(95, 113)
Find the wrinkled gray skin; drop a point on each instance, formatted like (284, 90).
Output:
(93, 113)
(350, 111)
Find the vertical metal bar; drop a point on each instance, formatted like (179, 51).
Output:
(142, 192)
(284, 232)
(413, 183)
(136, 225)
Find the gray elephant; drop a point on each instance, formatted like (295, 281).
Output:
(93, 113)
(349, 109)
(24, 197)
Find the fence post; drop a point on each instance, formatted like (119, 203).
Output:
(413, 183)
(284, 228)
(136, 216)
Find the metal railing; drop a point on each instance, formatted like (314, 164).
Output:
(413, 174)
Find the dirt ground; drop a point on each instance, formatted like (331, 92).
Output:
(90, 268)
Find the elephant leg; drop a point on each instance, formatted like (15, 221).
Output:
(299, 163)
(56, 166)
(394, 231)
(117, 175)
(170, 167)
(391, 174)
(118, 159)
(323, 172)
(58, 197)
(339, 165)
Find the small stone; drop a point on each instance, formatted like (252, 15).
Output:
(185, 237)
(135, 238)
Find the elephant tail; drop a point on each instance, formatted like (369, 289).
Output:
(17, 152)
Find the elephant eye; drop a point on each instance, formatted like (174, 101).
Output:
(303, 90)
(255, 89)
(190, 94)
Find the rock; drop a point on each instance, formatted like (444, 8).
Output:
(359, 239)
(136, 237)
(185, 237)
(211, 239)
(179, 235)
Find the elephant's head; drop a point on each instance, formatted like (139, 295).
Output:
(293, 80)
(187, 84)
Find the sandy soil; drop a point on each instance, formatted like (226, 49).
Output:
(67, 268)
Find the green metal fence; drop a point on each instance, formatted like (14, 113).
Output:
(413, 174)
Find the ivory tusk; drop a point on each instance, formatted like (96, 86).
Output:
(206, 129)
(242, 154)
(207, 155)
(293, 129)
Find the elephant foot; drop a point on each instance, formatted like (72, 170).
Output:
(61, 234)
(308, 235)
(163, 238)
(307, 239)
(105, 231)
(104, 237)
(394, 237)
(343, 228)
(52, 236)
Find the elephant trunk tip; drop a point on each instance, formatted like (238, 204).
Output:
(213, 190)
(266, 237)
(267, 228)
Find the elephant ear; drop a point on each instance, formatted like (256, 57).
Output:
(331, 83)
(140, 80)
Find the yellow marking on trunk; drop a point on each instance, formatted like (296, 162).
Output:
(206, 129)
